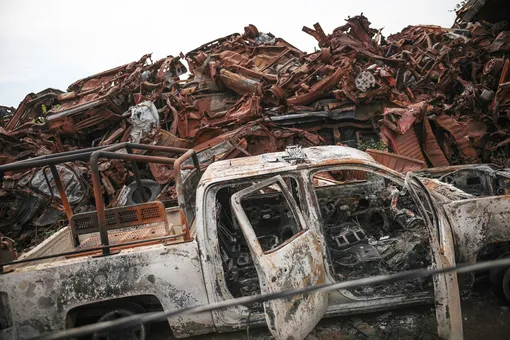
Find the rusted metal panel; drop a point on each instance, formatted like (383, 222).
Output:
(48, 292)
(431, 148)
(122, 217)
(396, 162)
(406, 144)
(460, 133)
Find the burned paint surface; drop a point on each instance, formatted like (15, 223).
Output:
(44, 294)
(478, 222)
(277, 165)
(295, 263)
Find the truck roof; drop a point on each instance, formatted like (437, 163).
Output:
(282, 161)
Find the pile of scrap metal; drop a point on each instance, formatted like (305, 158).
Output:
(6, 113)
(431, 96)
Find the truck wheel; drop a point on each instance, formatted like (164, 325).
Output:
(506, 285)
(138, 332)
(496, 277)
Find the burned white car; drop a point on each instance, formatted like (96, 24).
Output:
(254, 225)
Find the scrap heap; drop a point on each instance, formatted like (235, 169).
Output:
(434, 96)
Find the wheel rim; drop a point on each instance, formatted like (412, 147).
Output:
(138, 332)
(496, 276)
(506, 284)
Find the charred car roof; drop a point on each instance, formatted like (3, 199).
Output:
(283, 161)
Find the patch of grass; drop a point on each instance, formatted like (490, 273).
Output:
(350, 337)
(372, 144)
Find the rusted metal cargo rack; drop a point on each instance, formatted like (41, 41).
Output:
(101, 220)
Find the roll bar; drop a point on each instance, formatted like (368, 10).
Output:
(92, 155)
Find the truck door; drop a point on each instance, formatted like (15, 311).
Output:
(446, 288)
(294, 261)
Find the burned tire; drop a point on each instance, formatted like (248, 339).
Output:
(506, 285)
(121, 310)
(496, 276)
(151, 188)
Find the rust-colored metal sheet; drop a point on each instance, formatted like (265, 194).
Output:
(396, 162)
(406, 144)
(460, 132)
(431, 148)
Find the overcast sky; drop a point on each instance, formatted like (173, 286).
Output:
(52, 43)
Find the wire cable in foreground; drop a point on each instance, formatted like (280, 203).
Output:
(138, 319)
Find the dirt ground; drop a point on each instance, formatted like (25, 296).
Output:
(485, 317)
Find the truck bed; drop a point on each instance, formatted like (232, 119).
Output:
(61, 241)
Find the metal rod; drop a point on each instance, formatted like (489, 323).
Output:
(82, 154)
(147, 147)
(96, 181)
(67, 153)
(65, 201)
(196, 163)
(157, 148)
(47, 180)
(98, 197)
(138, 180)
(36, 163)
(178, 177)
(179, 187)
(143, 158)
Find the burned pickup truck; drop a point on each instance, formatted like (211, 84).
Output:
(246, 226)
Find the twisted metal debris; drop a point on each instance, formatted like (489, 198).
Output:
(429, 95)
